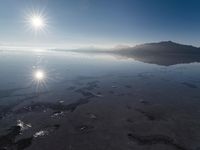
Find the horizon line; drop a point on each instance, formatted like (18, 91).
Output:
(89, 46)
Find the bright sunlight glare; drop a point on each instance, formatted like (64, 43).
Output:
(37, 21)
(39, 75)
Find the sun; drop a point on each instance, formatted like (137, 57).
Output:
(37, 22)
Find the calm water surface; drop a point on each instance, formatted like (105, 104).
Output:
(83, 93)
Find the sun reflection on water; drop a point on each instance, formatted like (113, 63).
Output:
(39, 79)
(39, 75)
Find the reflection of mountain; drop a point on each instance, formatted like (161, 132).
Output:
(163, 53)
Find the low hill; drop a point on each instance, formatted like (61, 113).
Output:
(162, 53)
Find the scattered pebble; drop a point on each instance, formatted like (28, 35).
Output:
(57, 114)
(92, 116)
(47, 130)
(40, 133)
(97, 95)
(22, 125)
(61, 102)
(84, 128)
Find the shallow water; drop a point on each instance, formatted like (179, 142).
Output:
(88, 101)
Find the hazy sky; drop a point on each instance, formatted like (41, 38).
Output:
(104, 23)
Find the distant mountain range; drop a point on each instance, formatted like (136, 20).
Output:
(162, 53)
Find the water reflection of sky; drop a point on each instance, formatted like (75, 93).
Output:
(28, 77)
(17, 68)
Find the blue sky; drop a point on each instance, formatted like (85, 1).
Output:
(80, 23)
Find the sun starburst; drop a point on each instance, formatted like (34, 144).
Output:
(36, 21)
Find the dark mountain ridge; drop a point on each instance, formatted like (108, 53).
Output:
(162, 53)
(163, 47)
